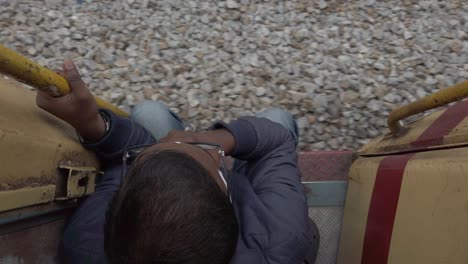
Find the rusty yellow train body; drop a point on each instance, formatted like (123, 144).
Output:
(407, 199)
(406, 203)
(42, 163)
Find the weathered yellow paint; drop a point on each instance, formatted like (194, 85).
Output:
(360, 186)
(458, 134)
(33, 143)
(437, 99)
(431, 223)
(26, 197)
(40, 77)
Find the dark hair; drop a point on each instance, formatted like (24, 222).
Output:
(170, 210)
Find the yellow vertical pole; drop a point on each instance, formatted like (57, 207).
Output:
(41, 78)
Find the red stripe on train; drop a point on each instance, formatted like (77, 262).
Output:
(382, 210)
(442, 126)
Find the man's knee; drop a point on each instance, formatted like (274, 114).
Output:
(278, 112)
(278, 115)
(282, 117)
(156, 117)
(146, 110)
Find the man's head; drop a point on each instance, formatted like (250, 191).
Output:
(172, 208)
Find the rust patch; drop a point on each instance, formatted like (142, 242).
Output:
(44, 179)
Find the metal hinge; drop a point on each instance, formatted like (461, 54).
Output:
(78, 182)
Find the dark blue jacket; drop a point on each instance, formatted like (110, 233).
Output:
(265, 188)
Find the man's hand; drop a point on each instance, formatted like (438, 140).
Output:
(77, 108)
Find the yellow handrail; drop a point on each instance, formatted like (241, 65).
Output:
(41, 78)
(437, 99)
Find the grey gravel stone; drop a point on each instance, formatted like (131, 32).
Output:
(323, 4)
(379, 66)
(407, 35)
(32, 51)
(260, 91)
(378, 34)
(374, 105)
(232, 4)
(431, 81)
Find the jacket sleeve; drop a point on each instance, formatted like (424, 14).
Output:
(123, 133)
(269, 152)
(257, 137)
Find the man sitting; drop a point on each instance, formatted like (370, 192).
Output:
(166, 195)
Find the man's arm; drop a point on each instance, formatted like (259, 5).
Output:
(255, 138)
(123, 133)
(79, 109)
(83, 238)
(275, 189)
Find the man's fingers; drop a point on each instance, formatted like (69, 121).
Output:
(47, 98)
(73, 77)
(43, 99)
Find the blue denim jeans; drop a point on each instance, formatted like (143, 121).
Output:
(159, 120)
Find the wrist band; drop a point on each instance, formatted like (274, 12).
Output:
(106, 127)
(106, 121)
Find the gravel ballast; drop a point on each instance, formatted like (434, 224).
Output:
(339, 67)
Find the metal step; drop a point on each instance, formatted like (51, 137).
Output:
(324, 175)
